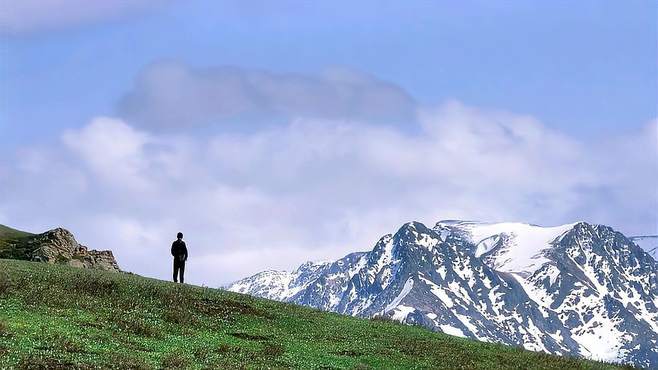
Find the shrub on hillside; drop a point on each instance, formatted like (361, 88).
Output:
(41, 361)
(5, 283)
(178, 316)
(4, 330)
(272, 350)
(175, 360)
(135, 325)
(120, 361)
(386, 319)
(95, 284)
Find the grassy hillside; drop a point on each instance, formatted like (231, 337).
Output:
(11, 242)
(7, 235)
(62, 317)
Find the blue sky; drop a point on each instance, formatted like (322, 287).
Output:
(587, 68)
(581, 75)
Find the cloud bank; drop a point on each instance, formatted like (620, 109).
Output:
(313, 188)
(170, 95)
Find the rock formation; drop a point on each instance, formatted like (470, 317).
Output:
(58, 246)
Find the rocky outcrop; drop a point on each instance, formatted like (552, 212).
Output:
(59, 246)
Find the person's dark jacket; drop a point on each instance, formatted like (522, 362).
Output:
(179, 250)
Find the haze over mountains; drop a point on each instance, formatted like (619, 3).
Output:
(577, 289)
(649, 243)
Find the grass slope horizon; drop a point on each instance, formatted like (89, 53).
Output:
(8, 232)
(54, 316)
(11, 243)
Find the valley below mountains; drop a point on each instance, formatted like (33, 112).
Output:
(579, 289)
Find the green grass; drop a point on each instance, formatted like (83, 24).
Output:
(61, 317)
(11, 243)
(9, 233)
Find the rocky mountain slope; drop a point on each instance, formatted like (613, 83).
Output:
(578, 289)
(54, 246)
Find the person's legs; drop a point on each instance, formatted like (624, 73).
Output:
(175, 270)
(182, 271)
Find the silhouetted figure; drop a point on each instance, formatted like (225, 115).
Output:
(179, 251)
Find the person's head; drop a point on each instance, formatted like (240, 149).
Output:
(179, 235)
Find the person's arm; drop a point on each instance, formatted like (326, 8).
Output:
(185, 250)
(172, 249)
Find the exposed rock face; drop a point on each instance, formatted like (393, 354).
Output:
(59, 246)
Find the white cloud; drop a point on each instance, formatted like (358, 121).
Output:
(21, 16)
(113, 150)
(172, 95)
(317, 189)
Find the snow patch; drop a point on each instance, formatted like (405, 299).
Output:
(405, 290)
(401, 312)
(525, 244)
(452, 331)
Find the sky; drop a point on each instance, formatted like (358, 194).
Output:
(272, 133)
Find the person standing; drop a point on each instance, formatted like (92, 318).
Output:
(179, 251)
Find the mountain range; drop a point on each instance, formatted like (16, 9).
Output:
(578, 289)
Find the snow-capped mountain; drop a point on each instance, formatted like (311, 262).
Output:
(577, 289)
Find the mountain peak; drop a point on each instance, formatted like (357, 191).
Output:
(414, 234)
(413, 225)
